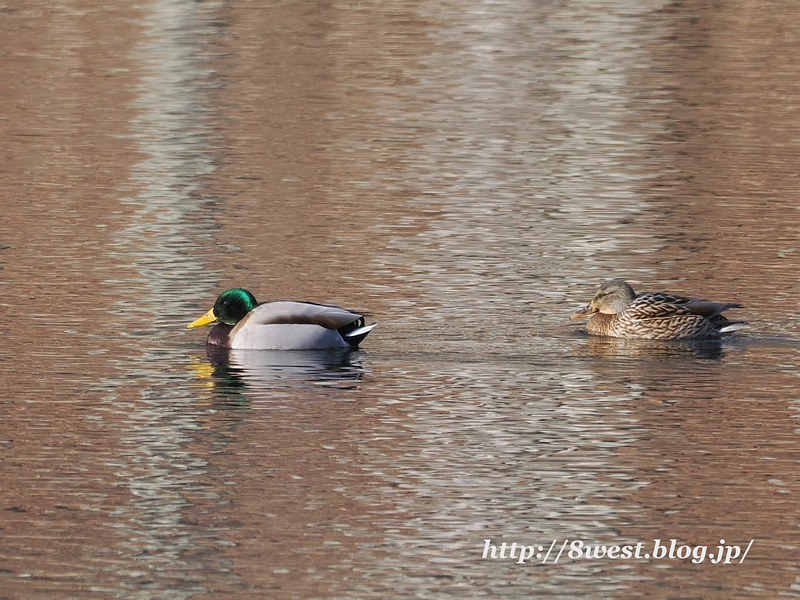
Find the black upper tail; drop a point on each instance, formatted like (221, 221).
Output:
(351, 333)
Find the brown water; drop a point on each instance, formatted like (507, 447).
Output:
(468, 173)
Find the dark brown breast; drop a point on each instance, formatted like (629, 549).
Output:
(219, 335)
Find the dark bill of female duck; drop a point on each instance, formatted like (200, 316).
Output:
(243, 323)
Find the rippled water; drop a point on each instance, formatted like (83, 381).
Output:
(467, 173)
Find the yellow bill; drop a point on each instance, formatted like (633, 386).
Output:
(207, 318)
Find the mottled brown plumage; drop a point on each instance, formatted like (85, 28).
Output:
(618, 311)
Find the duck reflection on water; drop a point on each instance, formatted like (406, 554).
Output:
(611, 347)
(268, 370)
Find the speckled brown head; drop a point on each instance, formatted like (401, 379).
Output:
(611, 298)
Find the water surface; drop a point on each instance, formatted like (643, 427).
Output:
(467, 173)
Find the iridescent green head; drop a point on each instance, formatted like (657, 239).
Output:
(230, 308)
(233, 304)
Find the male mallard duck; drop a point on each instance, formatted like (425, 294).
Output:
(245, 324)
(618, 311)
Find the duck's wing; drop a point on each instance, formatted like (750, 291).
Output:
(709, 309)
(300, 313)
(660, 305)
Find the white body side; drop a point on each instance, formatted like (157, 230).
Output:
(292, 336)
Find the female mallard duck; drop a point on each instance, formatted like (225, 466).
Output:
(618, 311)
(245, 324)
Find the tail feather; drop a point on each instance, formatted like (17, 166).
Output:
(356, 336)
(734, 326)
(353, 333)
